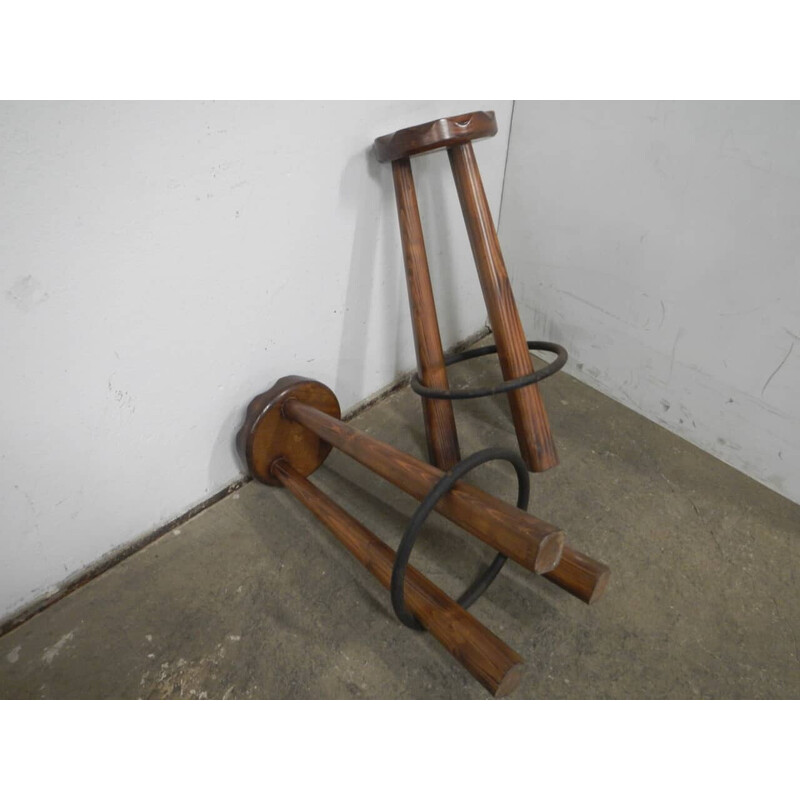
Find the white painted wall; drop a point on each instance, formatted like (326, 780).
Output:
(161, 263)
(660, 243)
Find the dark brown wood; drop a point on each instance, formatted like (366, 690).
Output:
(490, 660)
(440, 423)
(580, 575)
(267, 436)
(527, 409)
(435, 134)
(531, 542)
(297, 420)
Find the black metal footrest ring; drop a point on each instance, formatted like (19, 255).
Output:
(507, 386)
(442, 487)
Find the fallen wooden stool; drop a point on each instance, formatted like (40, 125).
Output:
(289, 431)
(527, 409)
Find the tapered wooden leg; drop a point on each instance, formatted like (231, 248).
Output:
(531, 542)
(296, 422)
(490, 660)
(527, 409)
(440, 424)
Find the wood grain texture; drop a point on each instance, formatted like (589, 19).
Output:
(531, 542)
(488, 659)
(580, 575)
(437, 133)
(440, 423)
(267, 435)
(527, 409)
(272, 432)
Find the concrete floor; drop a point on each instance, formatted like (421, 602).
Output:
(254, 599)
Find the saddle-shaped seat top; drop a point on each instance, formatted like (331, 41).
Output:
(444, 132)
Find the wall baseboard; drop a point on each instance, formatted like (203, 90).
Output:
(116, 556)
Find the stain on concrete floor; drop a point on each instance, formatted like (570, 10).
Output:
(254, 599)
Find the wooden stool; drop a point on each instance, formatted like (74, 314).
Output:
(527, 409)
(289, 431)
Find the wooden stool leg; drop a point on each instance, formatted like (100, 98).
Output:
(440, 424)
(527, 409)
(490, 660)
(532, 543)
(297, 422)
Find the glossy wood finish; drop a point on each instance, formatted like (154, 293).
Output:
(435, 134)
(440, 423)
(267, 435)
(527, 409)
(531, 542)
(297, 421)
(490, 660)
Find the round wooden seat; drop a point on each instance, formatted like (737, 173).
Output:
(432, 135)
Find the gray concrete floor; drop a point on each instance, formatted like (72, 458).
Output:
(254, 599)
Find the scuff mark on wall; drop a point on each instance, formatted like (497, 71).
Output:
(26, 293)
(777, 369)
(678, 335)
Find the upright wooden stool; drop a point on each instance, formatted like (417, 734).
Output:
(527, 409)
(289, 431)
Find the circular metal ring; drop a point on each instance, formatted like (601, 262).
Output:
(507, 386)
(442, 487)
